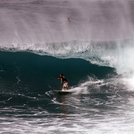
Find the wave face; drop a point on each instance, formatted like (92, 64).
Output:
(94, 51)
(22, 70)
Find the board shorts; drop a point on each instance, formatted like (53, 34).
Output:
(65, 85)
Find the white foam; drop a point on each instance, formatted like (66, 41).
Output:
(129, 82)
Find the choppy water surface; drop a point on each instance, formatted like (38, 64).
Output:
(95, 53)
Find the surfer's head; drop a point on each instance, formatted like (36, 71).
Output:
(61, 75)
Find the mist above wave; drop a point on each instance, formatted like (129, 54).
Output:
(32, 21)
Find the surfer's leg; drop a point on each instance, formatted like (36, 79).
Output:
(65, 85)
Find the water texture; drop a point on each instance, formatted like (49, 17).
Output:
(95, 53)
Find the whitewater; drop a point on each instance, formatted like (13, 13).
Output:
(94, 51)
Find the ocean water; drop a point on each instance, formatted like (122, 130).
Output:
(95, 53)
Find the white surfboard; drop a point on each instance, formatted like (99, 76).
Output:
(63, 91)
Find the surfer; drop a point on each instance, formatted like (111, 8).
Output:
(68, 20)
(64, 82)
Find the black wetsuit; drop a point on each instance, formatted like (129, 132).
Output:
(64, 79)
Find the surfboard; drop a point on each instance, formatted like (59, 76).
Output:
(63, 91)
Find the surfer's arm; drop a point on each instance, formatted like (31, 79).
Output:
(60, 80)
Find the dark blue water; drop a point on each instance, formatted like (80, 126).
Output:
(40, 73)
(95, 53)
(27, 94)
(25, 76)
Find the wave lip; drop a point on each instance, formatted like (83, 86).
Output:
(115, 54)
